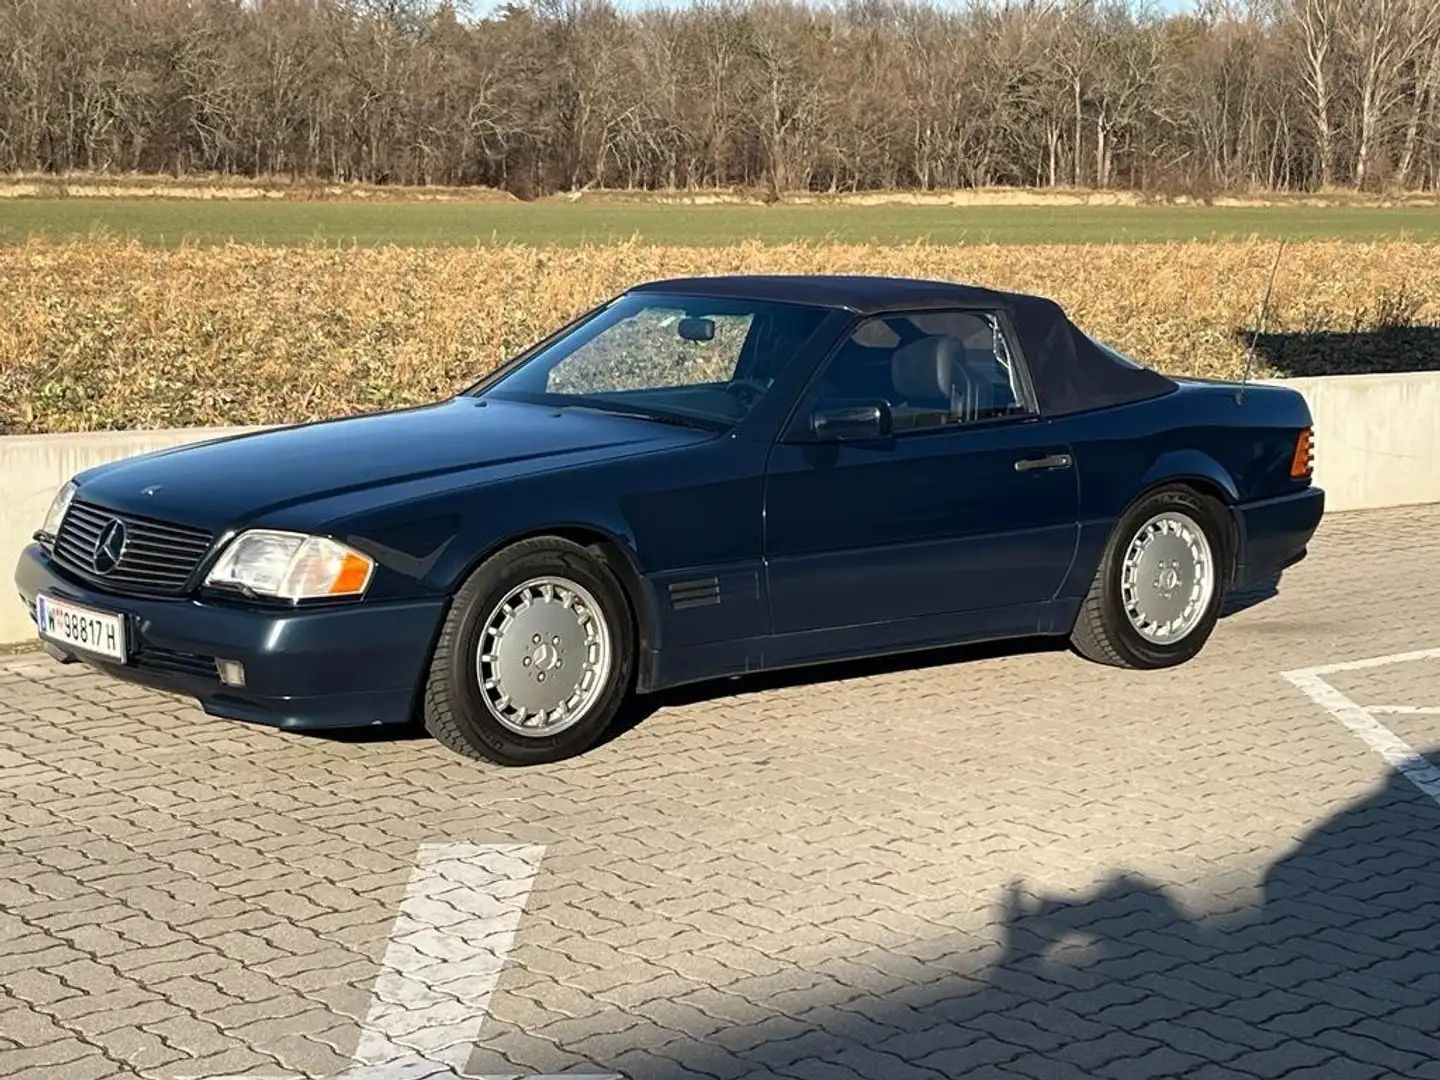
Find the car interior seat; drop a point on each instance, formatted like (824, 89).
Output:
(931, 382)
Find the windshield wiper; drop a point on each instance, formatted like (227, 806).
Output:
(673, 419)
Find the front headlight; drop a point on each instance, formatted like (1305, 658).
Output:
(291, 566)
(55, 516)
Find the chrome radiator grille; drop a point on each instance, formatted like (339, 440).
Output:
(154, 558)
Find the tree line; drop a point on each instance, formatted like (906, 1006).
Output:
(541, 96)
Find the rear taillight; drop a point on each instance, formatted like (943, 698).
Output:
(1303, 463)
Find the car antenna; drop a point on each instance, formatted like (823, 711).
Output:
(1259, 325)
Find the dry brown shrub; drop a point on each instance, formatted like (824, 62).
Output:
(105, 335)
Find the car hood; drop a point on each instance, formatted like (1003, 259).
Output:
(235, 480)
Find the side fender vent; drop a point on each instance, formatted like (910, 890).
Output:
(702, 592)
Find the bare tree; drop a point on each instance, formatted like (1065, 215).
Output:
(1385, 40)
(1316, 23)
(1424, 89)
(548, 95)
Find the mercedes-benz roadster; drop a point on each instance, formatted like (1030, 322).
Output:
(699, 478)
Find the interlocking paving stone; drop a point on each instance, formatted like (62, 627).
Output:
(996, 862)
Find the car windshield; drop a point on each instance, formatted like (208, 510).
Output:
(682, 359)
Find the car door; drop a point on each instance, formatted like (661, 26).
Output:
(962, 500)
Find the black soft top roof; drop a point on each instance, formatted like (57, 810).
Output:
(1071, 373)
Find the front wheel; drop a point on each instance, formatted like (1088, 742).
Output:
(535, 658)
(1158, 590)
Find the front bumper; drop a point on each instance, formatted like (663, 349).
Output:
(338, 667)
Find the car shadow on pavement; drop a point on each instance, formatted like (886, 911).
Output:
(640, 708)
(1328, 966)
(1251, 595)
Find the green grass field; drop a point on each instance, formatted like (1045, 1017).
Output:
(170, 222)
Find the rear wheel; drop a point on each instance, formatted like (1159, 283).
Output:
(535, 657)
(1158, 590)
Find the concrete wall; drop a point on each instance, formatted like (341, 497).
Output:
(1377, 437)
(1377, 444)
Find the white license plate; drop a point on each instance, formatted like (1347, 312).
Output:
(81, 627)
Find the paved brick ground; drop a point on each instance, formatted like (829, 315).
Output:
(993, 865)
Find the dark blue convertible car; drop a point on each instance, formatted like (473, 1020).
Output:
(699, 478)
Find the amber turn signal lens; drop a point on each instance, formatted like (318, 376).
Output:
(353, 576)
(1303, 463)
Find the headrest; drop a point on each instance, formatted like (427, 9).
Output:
(924, 370)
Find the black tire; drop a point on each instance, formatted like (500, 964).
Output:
(455, 711)
(1103, 632)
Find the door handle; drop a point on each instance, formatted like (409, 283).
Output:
(1050, 461)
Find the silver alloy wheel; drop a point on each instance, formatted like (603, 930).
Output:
(544, 656)
(1167, 578)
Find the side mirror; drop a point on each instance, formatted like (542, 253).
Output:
(852, 423)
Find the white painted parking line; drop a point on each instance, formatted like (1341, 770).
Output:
(1361, 720)
(442, 961)
(1369, 662)
(1404, 710)
(446, 950)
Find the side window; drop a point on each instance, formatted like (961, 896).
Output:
(933, 368)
